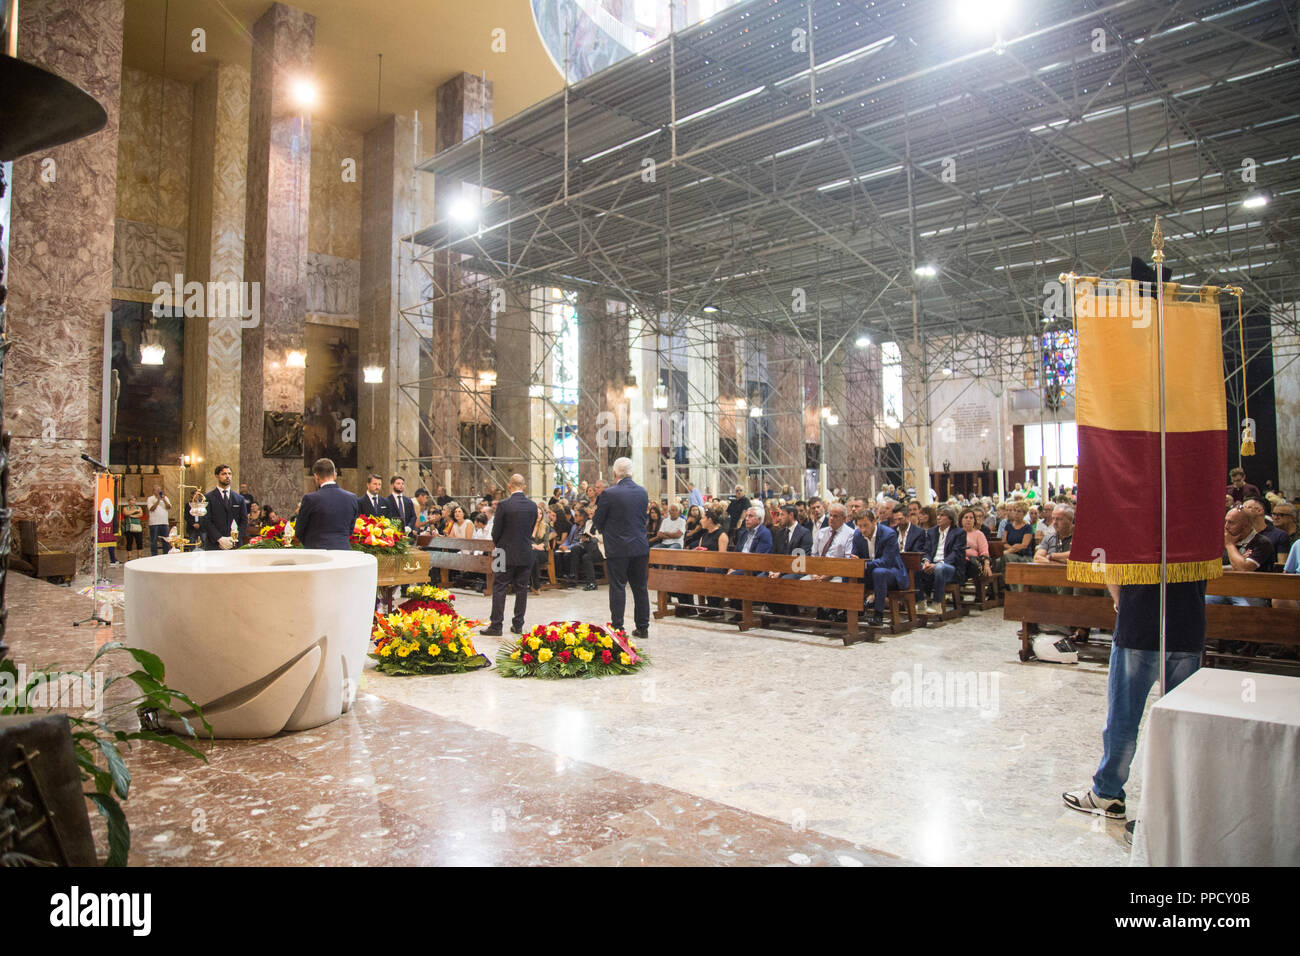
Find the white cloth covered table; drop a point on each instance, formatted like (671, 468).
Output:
(1221, 772)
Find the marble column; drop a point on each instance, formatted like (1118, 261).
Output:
(785, 405)
(215, 253)
(859, 410)
(464, 108)
(1286, 398)
(603, 370)
(916, 421)
(59, 278)
(275, 256)
(388, 432)
(704, 407)
(514, 368)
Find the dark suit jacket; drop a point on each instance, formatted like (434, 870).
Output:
(790, 540)
(918, 539)
(887, 555)
(512, 529)
(402, 511)
(385, 509)
(736, 512)
(954, 550)
(326, 517)
(216, 523)
(620, 517)
(762, 540)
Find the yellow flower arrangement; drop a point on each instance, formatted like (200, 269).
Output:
(544, 654)
(435, 650)
(624, 659)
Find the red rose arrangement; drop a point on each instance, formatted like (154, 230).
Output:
(570, 649)
(375, 535)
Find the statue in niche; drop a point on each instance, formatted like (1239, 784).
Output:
(282, 435)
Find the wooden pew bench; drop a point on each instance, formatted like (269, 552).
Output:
(457, 554)
(1223, 622)
(674, 571)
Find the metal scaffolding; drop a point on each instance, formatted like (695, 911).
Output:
(812, 172)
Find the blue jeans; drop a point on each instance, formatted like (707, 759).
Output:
(942, 574)
(1132, 673)
(157, 532)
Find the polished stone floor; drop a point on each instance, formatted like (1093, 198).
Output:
(935, 747)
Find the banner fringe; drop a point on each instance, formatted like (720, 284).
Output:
(1177, 573)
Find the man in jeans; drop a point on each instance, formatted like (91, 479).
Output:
(158, 507)
(1134, 667)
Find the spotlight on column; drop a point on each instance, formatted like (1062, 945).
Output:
(710, 309)
(296, 358)
(947, 370)
(755, 411)
(741, 404)
(373, 373)
(863, 341)
(826, 411)
(630, 389)
(536, 390)
(487, 378)
(661, 397)
(1257, 201)
(304, 92)
(832, 419)
(926, 271)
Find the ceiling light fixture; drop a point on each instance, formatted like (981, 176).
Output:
(1257, 201)
(296, 358)
(304, 92)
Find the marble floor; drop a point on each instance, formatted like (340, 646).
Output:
(935, 747)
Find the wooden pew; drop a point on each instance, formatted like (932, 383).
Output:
(986, 593)
(906, 600)
(456, 554)
(675, 571)
(1223, 622)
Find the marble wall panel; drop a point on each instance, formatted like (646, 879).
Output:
(333, 285)
(603, 369)
(334, 220)
(153, 149)
(1286, 397)
(145, 253)
(59, 278)
(464, 107)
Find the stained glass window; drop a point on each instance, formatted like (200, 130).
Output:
(1059, 354)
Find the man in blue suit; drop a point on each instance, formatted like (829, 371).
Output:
(621, 518)
(225, 505)
(754, 538)
(373, 504)
(513, 556)
(326, 515)
(877, 544)
(944, 561)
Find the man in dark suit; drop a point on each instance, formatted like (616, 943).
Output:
(620, 517)
(512, 556)
(326, 515)
(944, 560)
(911, 536)
(754, 538)
(789, 536)
(372, 503)
(400, 508)
(877, 544)
(224, 507)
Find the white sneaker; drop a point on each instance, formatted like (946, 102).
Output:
(1085, 801)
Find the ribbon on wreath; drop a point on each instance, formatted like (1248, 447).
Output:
(622, 642)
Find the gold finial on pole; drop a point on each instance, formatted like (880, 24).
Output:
(1158, 245)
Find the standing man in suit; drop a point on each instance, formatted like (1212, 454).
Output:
(326, 515)
(371, 503)
(736, 511)
(944, 562)
(512, 535)
(877, 544)
(400, 508)
(224, 506)
(620, 517)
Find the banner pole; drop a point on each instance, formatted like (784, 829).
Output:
(1158, 258)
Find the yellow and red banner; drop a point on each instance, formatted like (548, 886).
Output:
(105, 510)
(1117, 405)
